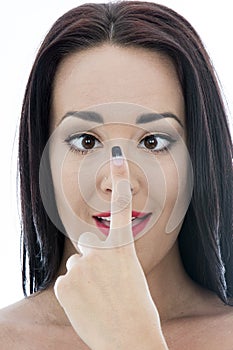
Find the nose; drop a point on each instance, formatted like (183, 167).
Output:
(106, 182)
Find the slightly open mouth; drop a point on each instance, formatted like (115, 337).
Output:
(107, 220)
(138, 223)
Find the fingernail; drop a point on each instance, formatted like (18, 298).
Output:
(117, 157)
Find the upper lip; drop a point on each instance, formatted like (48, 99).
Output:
(135, 214)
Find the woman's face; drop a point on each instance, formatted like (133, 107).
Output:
(132, 98)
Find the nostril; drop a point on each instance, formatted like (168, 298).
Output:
(106, 185)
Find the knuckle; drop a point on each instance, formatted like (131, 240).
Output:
(72, 261)
(61, 287)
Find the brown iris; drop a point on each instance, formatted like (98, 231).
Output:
(150, 142)
(88, 141)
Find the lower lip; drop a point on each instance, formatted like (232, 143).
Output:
(135, 229)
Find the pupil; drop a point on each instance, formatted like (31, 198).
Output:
(88, 142)
(150, 142)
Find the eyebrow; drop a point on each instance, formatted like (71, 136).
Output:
(149, 117)
(141, 119)
(85, 115)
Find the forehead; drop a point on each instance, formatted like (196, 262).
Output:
(110, 74)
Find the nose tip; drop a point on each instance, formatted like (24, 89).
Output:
(137, 178)
(106, 185)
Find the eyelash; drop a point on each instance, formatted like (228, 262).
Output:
(163, 137)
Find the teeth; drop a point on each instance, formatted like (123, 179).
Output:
(108, 218)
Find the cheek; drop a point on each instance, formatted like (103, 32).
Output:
(162, 180)
(172, 183)
(179, 185)
(72, 208)
(170, 190)
(69, 182)
(64, 169)
(76, 186)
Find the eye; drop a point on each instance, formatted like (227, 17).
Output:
(83, 143)
(156, 143)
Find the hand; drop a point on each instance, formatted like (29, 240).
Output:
(104, 292)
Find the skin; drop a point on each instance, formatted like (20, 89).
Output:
(189, 316)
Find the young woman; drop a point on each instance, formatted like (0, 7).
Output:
(135, 251)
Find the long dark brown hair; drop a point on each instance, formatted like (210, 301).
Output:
(205, 239)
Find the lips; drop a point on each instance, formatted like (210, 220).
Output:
(139, 221)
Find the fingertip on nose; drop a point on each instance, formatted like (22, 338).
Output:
(117, 156)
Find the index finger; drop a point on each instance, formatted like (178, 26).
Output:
(121, 201)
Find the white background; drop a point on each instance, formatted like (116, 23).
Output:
(23, 26)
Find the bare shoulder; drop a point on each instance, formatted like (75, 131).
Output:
(219, 329)
(5, 339)
(226, 324)
(8, 330)
(212, 330)
(19, 312)
(30, 310)
(216, 325)
(32, 324)
(12, 320)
